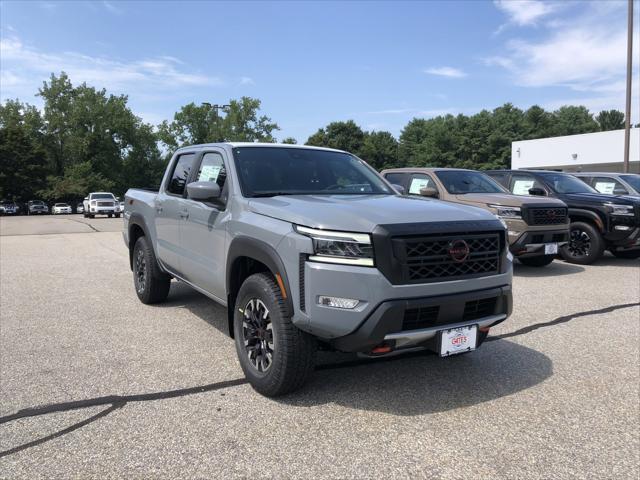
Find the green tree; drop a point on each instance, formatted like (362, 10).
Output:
(341, 135)
(289, 141)
(380, 150)
(572, 120)
(23, 160)
(240, 122)
(77, 181)
(610, 120)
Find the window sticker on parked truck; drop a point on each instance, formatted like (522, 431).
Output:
(521, 187)
(417, 184)
(209, 173)
(605, 187)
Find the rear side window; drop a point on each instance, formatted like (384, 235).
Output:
(180, 174)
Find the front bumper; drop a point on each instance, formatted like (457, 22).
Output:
(531, 243)
(388, 322)
(104, 210)
(629, 242)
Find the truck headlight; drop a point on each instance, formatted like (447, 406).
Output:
(624, 210)
(339, 247)
(507, 212)
(93, 203)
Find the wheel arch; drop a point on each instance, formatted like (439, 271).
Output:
(137, 228)
(247, 256)
(581, 215)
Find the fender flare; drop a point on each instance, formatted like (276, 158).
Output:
(579, 212)
(137, 219)
(242, 246)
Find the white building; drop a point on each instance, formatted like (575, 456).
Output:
(589, 152)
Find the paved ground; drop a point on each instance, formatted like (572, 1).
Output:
(555, 394)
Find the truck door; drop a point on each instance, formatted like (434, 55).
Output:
(204, 229)
(170, 212)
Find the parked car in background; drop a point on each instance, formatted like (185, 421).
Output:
(79, 208)
(37, 207)
(536, 227)
(612, 183)
(599, 221)
(122, 206)
(101, 203)
(10, 208)
(309, 246)
(60, 208)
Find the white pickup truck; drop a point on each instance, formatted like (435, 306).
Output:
(101, 203)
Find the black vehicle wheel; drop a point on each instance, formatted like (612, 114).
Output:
(628, 254)
(585, 244)
(117, 215)
(540, 261)
(110, 215)
(151, 284)
(275, 356)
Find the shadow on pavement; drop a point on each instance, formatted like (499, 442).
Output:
(556, 268)
(425, 383)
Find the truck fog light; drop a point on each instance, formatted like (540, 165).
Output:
(337, 302)
(622, 227)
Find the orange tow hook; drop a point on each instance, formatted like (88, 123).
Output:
(381, 349)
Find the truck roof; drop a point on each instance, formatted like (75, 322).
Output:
(257, 144)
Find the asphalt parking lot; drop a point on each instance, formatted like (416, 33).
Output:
(95, 384)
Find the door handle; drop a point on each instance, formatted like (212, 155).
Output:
(184, 214)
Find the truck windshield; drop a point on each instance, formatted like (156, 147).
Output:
(563, 183)
(633, 180)
(458, 182)
(98, 196)
(270, 171)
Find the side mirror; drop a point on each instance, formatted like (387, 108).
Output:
(537, 191)
(86, 198)
(401, 190)
(429, 192)
(203, 191)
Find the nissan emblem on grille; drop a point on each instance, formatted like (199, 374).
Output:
(459, 250)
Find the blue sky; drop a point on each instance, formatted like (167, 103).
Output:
(378, 63)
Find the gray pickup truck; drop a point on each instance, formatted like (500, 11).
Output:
(310, 247)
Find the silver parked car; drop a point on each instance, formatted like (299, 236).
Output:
(612, 183)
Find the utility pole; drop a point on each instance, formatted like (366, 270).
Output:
(627, 116)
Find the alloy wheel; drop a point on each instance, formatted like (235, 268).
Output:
(257, 332)
(579, 243)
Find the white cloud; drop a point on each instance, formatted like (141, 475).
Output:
(24, 68)
(524, 12)
(110, 7)
(247, 81)
(450, 72)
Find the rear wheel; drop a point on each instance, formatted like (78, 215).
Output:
(110, 215)
(585, 244)
(151, 284)
(276, 356)
(117, 215)
(540, 261)
(629, 254)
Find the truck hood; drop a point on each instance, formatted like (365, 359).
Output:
(362, 213)
(508, 200)
(603, 198)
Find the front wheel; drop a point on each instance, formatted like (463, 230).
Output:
(152, 284)
(585, 244)
(117, 215)
(539, 261)
(628, 254)
(275, 356)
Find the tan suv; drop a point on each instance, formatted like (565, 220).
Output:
(537, 227)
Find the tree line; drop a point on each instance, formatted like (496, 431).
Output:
(85, 139)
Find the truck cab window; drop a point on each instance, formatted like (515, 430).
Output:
(180, 173)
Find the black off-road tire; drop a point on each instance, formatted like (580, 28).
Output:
(293, 351)
(627, 254)
(539, 261)
(117, 215)
(152, 285)
(110, 215)
(575, 251)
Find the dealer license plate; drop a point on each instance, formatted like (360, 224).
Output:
(458, 340)
(550, 248)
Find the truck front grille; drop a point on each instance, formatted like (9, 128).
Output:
(105, 204)
(547, 216)
(442, 257)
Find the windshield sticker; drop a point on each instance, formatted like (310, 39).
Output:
(209, 173)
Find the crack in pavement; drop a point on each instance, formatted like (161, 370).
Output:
(118, 401)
